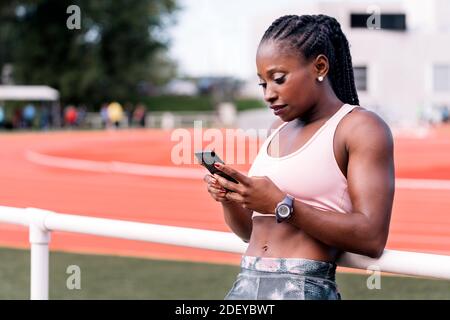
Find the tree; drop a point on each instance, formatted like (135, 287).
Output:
(120, 45)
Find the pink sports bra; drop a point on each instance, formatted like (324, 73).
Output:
(311, 173)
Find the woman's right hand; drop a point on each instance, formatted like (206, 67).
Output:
(216, 191)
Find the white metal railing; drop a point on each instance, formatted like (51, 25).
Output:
(42, 222)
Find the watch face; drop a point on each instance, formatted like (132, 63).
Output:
(284, 210)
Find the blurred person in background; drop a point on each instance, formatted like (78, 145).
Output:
(104, 115)
(2, 116)
(115, 114)
(28, 115)
(45, 118)
(445, 114)
(70, 116)
(139, 115)
(17, 118)
(129, 113)
(81, 116)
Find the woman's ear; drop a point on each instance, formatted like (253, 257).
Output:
(321, 66)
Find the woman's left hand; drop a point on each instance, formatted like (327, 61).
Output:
(255, 193)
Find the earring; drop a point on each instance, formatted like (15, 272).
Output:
(320, 78)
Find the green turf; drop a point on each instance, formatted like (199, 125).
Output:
(108, 277)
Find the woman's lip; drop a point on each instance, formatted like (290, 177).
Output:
(278, 106)
(278, 109)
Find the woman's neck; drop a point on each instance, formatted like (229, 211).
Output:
(325, 107)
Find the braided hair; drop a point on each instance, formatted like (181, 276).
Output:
(312, 35)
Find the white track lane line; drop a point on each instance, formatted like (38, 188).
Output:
(186, 173)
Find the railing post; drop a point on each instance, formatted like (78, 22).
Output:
(39, 237)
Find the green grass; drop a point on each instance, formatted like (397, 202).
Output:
(109, 277)
(179, 103)
(196, 103)
(248, 103)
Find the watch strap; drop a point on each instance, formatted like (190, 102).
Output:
(289, 200)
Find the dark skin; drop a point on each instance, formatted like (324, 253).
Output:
(363, 149)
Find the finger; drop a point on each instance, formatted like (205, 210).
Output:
(220, 195)
(222, 199)
(210, 180)
(233, 173)
(227, 184)
(217, 190)
(213, 187)
(233, 196)
(207, 178)
(215, 183)
(216, 193)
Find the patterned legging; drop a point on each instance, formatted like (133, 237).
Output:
(284, 279)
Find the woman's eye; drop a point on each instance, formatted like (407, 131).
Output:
(279, 80)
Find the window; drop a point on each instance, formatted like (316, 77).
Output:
(441, 77)
(388, 21)
(360, 74)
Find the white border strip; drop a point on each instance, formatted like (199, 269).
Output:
(114, 167)
(182, 173)
(429, 184)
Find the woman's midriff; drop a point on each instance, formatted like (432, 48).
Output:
(283, 240)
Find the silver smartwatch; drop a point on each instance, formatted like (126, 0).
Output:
(284, 208)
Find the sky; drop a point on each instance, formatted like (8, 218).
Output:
(216, 37)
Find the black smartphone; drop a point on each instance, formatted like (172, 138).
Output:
(207, 159)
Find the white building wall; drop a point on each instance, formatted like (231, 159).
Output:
(400, 63)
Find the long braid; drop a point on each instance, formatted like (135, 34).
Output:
(312, 35)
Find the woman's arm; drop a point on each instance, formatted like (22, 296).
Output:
(370, 179)
(238, 219)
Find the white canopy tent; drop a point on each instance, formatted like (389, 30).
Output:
(28, 93)
(47, 96)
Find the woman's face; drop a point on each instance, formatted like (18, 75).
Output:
(287, 80)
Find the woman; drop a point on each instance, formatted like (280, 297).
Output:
(326, 187)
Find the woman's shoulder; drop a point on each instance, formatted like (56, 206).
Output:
(362, 119)
(365, 127)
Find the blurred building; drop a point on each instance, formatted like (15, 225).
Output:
(400, 51)
(402, 69)
(181, 87)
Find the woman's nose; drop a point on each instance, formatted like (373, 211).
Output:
(270, 95)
